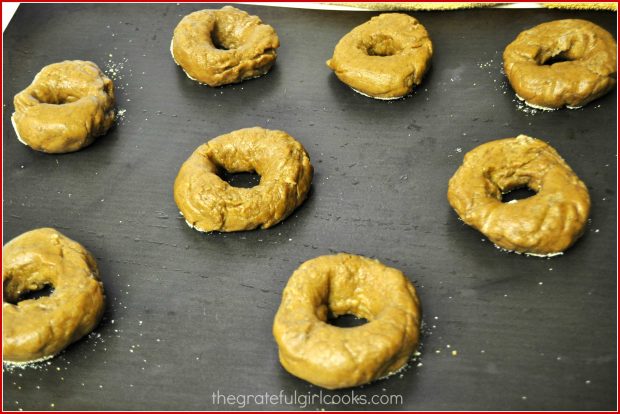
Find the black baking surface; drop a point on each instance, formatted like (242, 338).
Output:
(190, 314)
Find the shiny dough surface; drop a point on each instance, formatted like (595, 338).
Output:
(35, 329)
(545, 224)
(584, 67)
(67, 106)
(218, 47)
(333, 357)
(209, 203)
(385, 57)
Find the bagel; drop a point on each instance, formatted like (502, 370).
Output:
(67, 106)
(383, 58)
(561, 63)
(219, 47)
(209, 203)
(545, 224)
(37, 329)
(332, 357)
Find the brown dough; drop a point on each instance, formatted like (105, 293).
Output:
(36, 329)
(333, 357)
(385, 57)
(587, 72)
(545, 224)
(67, 106)
(218, 47)
(208, 203)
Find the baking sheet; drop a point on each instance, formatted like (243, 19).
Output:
(190, 314)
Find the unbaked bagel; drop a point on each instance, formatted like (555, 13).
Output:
(209, 203)
(545, 224)
(67, 106)
(36, 329)
(218, 47)
(385, 57)
(585, 68)
(333, 357)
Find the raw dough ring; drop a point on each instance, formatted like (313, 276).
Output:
(37, 329)
(385, 57)
(545, 224)
(218, 47)
(208, 203)
(67, 106)
(588, 73)
(333, 357)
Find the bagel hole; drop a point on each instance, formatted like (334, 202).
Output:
(53, 99)
(220, 42)
(240, 179)
(345, 321)
(516, 194)
(382, 45)
(42, 291)
(560, 57)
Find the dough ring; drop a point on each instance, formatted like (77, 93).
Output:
(36, 329)
(333, 357)
(67, 106)
(383, 58)
(585, 67)
(218, 47)
(208, 203)
(545, 224)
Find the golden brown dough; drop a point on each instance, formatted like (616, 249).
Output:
(545, 224)
(218, 47)
(333, 357)
(208, 203)
(385, 57)
(36, 329)
(67, 106)
(585, 70)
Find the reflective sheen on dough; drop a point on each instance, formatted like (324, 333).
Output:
(545, 224)
(218, 47)
(209, 203)
(333, 357)
(586, 69)
(36, 329)
(385, 57)
(67, 106)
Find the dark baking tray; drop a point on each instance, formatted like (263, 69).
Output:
(190, 314)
